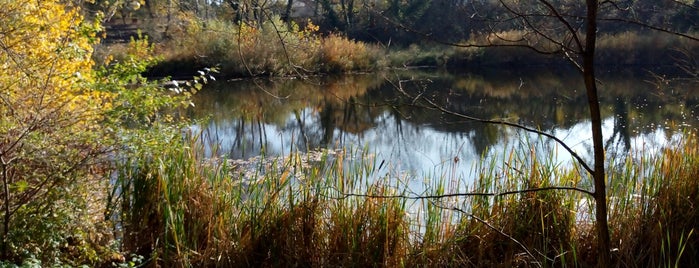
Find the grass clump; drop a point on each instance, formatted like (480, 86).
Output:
(660, 228)
(168, 202)
(526, 228)
(181, 209)
(338, 54)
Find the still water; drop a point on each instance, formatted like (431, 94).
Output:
(386, 116)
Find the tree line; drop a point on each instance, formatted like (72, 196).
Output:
(405, 22)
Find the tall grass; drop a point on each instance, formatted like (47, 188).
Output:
(272, 48)
(642, 48)
(173, 208)
(660, 226)
(179, 209)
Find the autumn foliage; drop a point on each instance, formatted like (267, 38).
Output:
(49, 132)
(64, 123)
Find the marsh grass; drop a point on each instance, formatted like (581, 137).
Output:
(269, 49)
(661, 223)
(179, 209)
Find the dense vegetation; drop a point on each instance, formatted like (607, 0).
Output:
(64, 121)
(98, 169)
(292, 211)
(395, 22)
(272, 38)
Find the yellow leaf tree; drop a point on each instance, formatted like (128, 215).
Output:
(50, 139)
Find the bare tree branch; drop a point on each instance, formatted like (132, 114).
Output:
(573, 31)
(577, 157)
(536, 30)
(686, 5)
(651, 27)
(442, 196)
(428, 36)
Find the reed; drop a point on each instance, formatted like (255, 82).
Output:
(172, 206)
(660, 224)
(180, 209)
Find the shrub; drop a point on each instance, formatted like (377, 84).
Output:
(339, 54)
(273, 48)
(51, 144)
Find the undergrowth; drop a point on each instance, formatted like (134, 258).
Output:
(181, 209)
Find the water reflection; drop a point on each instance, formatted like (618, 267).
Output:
(620, 137)
(248, 118)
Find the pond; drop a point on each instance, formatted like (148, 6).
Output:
(384, 115)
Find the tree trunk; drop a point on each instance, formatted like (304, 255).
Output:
(598, 175)
(149, 6)
(287, 12)
(4, 253)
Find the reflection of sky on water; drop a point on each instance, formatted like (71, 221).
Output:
(419, 147)
(420, 151)
(366, 115)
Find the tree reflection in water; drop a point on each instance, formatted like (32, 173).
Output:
(249, 118)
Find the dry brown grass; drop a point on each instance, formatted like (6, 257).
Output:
(270, 49)
(277, 220)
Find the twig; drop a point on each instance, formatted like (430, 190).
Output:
(441, 108)
(441, 196)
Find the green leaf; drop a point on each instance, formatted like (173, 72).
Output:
(20, 186)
